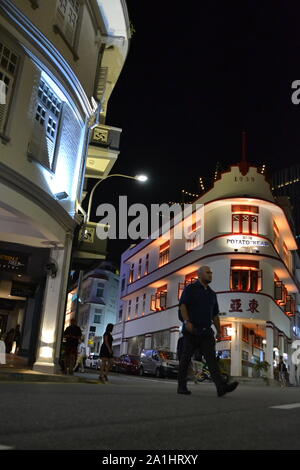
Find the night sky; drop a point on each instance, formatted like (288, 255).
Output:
(196, 76)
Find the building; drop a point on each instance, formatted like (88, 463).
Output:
(59, 61)
(286, 182)
(97, 304)
(249, 243)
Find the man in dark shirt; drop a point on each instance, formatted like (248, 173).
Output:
(199, 309)
(72, 334)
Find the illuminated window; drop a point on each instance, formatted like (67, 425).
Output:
(159, 300)
(129, 309)
(164, 251)
(245, 334)
(67, 12)
(245, 276)
(245, 219)
(131, 273)
(8, 69)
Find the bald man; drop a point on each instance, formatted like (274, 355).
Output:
(199, 310)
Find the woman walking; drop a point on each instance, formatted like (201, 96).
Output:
(106, 353)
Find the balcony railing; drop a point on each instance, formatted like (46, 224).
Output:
(158, 301)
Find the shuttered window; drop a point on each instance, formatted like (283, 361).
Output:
(46, 124)
(8, 70)
(67, 12)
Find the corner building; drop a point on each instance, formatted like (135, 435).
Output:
(248, 243)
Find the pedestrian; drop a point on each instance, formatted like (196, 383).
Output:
(72, 334)
(192, 371)
(81, 356)
(199, 310)
(106, 353)
(9, 340)
(282, 372)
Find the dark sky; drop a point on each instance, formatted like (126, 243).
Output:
(196, 76)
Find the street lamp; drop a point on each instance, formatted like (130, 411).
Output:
(141, 178)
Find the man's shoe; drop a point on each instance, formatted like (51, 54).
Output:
(227, 388)
(184, 391)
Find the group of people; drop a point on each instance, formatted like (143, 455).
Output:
(75, 351)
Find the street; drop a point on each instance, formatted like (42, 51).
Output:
(132, 413)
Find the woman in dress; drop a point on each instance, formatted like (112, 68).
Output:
(106, 353)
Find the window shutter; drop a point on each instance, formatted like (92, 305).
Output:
(8, 68)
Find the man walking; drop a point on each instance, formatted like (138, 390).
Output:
(199, 309)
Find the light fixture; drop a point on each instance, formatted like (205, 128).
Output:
(264, 341)
(141, 178)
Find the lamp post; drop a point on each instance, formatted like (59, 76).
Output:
(141, 178)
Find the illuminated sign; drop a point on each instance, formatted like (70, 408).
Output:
(245, 240)
(13, 262)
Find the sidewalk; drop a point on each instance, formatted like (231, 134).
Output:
(26, 375)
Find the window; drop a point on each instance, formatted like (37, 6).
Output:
(276, 238)
(144, 304)
(245, 276)
(245, 333)
(164, 253)
(98, 319)
(225, 336)
(147, 265)
(123, 284)
(131, 273)
(189, 279)
(120, 313)
(92, 329)
(100, 289)
(193, 239)
(67, 12)
(46, 123)
(159, 300)
(245, 356)
(245, 219)
(136, 306)
(8, 69)
(129, 309)
(140, 268)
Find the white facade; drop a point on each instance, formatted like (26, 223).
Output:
(98, 305)
(244, 267)
(59, 61)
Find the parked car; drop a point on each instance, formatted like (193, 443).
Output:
(93, 361)
(129, 364)
(158, 362)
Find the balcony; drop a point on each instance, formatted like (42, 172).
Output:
(158, 301)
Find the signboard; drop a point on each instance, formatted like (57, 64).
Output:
(23, 289)
(13, 262)
(246, 241)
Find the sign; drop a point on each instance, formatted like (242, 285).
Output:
(13, 262)
(236, 306)
(246, 240)
(23, 289)
(244, 179)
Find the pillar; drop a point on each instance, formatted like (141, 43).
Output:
(124, 346)
(236, 350)
(174, 335)
(53, 314)
(269, 349)
(291, 365)
(281, 344)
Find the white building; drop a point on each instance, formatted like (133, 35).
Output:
(248, 243)
(98, 305)
(59, 60)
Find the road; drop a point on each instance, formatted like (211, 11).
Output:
(132, 413)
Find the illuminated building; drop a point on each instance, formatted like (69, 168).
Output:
(249, 244)
(60, 61)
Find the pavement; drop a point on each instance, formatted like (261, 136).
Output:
(138, 413)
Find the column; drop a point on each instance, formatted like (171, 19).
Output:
(148, 341)
(269, 349)
(236, 349)
(124, 346)
(174, 335)
(291, 365)
(281, 344)
(53, 314)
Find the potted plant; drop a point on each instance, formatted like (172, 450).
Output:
(261, 367)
